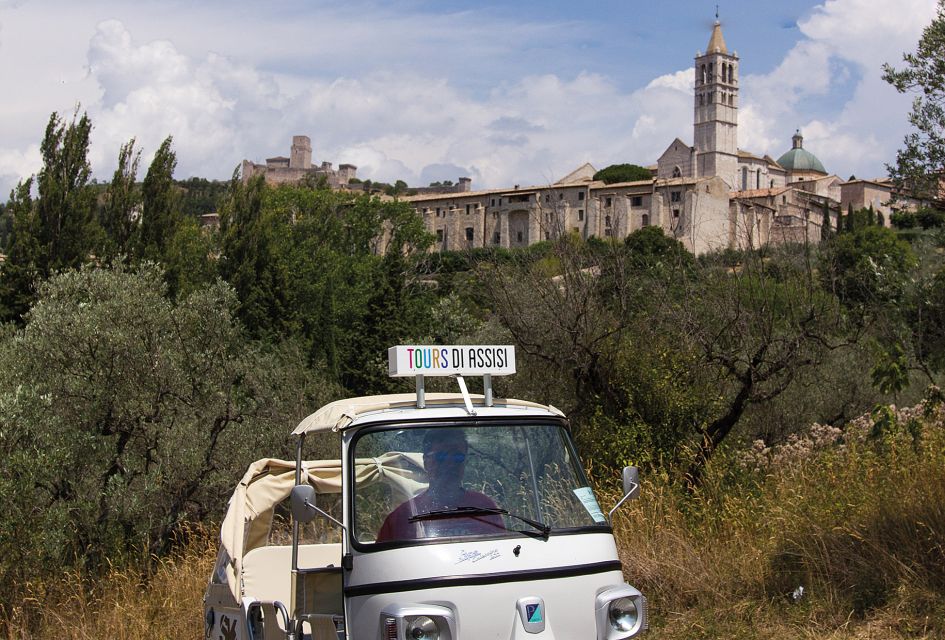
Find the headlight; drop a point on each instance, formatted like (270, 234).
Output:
(620, 612)
(418, 622)
(422, 628)
(623, 614)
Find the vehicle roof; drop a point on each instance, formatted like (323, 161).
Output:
(343, 414)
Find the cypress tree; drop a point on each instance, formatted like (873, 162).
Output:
(66, 203)
(159, 215)
(20, 270)
(122, 203)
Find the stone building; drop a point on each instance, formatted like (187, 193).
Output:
(298, 167)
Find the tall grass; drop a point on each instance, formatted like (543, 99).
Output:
(820, 540)
(122, 604)
(855, 518)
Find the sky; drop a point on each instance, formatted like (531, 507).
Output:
(422, 90)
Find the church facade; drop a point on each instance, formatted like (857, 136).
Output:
(710, 195)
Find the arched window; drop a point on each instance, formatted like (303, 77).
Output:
(702, 75)
(731, 74)
(646, 220)
(744, 178)
(701, 100)
(731, 99)
(677, 173)
(711, 73)
(757, 178)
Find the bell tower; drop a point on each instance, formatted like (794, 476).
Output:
(715, 122)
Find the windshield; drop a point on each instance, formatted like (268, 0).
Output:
(453, 481)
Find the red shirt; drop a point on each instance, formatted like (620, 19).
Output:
(397, 525)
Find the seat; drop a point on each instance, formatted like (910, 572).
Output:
(267, 577)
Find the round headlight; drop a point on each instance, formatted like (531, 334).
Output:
(422, 628)
(623, 614)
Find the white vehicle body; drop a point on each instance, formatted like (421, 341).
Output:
(535, 559)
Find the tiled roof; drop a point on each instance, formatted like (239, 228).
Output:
(618, 185)
(717, 42)
(759, 193)
(459, 195)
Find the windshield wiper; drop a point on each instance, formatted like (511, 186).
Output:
(457, 512)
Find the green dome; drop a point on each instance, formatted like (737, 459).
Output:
(799, 159)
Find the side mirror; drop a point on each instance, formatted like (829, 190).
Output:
(631, 482)
(302, 499)
(631, 487)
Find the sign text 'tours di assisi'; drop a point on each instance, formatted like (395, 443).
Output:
(448, 360)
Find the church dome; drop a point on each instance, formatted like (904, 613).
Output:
(800, 159)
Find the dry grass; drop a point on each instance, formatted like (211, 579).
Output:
(859, 525)
(121, 605)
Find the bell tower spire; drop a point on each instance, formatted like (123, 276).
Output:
(715, 122)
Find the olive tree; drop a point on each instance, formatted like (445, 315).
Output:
(921, 161)
(124, 416)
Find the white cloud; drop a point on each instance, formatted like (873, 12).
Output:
(681, 81)
(16, 164)
(845, 41)
(415, 117)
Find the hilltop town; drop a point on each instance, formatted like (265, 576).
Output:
(709, 194)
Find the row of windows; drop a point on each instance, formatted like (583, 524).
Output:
(635, 201)
(707, 73)
(442, 211)
(496, 237)
(470, 234)
(746, 181)
(727, 98)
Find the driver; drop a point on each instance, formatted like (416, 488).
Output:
(444, 459)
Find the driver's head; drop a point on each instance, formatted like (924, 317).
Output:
(444, 454)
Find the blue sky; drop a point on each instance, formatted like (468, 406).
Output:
(506, 93)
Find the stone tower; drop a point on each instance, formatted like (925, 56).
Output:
(715, 125)
(301, 156)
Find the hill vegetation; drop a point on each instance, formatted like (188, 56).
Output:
(623, 173)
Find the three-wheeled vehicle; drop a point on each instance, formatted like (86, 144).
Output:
(447, 516)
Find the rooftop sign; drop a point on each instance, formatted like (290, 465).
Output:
(449, 360)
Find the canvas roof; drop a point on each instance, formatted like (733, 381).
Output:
(269, 481)
(338, 415)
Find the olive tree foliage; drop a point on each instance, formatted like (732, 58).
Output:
(921, 161)
(660, 355)
(579, 315)
(926, 316)
(868, 268)
(755, 328)
(124, 415)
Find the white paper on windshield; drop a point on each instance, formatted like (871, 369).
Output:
(586, 496)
